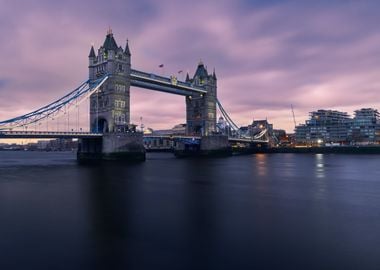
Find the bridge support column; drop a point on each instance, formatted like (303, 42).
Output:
(201, 108)
(112, 146)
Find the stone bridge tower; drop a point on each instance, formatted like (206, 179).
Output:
(201, 108)
(110, 106)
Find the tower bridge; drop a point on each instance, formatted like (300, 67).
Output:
(110, 106)
(111, 133)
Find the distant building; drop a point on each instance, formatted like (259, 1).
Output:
(365, 128)
(160, 139)
(42, 145)
(55, 145)
(281, 137)
(259, 130)
(222, 127)
(179, 129)
(259, 126)
(324, 126)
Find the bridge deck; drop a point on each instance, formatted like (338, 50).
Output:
(231, 139)
(47, 135)
(81, 135)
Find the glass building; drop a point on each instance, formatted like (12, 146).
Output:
(333, 127)
(324, 126)
(365, 128)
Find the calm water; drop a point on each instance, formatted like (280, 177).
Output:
(279, 211)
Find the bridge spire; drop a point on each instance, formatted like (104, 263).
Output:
(109, 31)
(201, 71)
(214, 75)
(92, 52)
(127, 51)
(110, 43)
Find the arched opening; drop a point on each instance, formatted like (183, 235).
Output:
(100, 126)
(198, 130)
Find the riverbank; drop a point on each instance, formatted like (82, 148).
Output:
(322, 150)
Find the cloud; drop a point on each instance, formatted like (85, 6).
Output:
(267, 54)
(3, 83)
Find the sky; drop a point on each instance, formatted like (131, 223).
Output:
(267, 54)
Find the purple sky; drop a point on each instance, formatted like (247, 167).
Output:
(267, 54)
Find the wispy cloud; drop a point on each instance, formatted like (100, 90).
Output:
(267, 54)
(3, 83)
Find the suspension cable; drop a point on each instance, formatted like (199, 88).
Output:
(79, 94)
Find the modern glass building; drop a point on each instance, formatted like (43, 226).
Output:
(334, 127)
(365, 128)
(324, 126)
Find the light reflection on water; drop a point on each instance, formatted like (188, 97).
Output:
(319, 166)
(320, 174)
(261, 164)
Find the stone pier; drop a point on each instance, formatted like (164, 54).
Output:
(112, 146)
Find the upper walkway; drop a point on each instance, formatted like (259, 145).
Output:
(164, 84)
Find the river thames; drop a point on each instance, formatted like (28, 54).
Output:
(274, 211)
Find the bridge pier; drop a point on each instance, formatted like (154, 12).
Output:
(112, 146)
(209, 146)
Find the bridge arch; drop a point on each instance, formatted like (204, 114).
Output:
(100, 125)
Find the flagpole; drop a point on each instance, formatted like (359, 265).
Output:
(162, 66)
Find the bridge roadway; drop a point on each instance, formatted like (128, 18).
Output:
(47, 135)
(82, 135)
(230, 139)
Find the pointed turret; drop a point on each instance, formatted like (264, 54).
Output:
(201, 71)
(127, 51)
(214, 75)
(92, 53)
(109, 42)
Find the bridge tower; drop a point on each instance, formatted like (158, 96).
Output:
(201, 108)
(110, 106)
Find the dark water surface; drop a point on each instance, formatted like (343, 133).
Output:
(279, 211)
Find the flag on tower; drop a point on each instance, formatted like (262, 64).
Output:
(180, 71)
(161, 66)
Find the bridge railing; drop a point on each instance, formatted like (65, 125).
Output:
(11, 132)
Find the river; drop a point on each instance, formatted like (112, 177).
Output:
(264, 211)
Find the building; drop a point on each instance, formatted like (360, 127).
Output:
(258, 126)
(280, 136)
(365, 128)
(162, 139)
(324, 126)
(222, 127)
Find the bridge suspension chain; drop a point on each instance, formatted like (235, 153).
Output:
(54, 109)
(227, 117)
(235, 127)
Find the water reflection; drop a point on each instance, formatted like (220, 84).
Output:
(201, 211)
(319, 166)
(320, 192)
(261, 164)
(288, 166)
(235, 213)
(109, 215)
